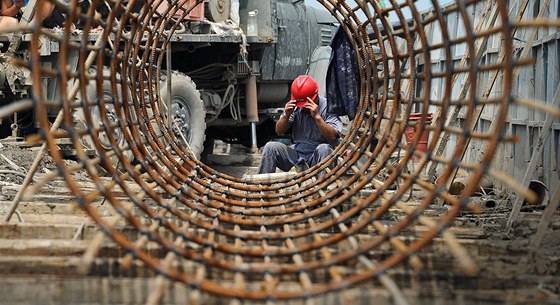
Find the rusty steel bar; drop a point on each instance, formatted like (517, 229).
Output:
(289, 237)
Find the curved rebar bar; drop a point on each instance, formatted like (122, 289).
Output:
(288, 238)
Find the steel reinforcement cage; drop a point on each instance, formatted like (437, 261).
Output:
(297, 237)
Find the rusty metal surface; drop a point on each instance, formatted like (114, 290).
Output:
(287, 238)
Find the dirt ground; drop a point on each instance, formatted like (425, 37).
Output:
(522, 264)
(16, 160)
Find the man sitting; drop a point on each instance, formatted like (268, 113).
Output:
(314, 131)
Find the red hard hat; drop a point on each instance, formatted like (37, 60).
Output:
(304, 86)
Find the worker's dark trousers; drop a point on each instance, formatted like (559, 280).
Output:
(276, 154)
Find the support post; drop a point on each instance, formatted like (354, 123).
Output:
(252, 109)
(169, 88)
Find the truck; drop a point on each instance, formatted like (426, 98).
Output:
(230, 69)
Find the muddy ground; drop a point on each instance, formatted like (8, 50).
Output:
(515, 263)
(16, 160)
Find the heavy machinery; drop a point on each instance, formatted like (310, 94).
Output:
(230, 65)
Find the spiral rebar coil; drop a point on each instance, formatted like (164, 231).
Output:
(286, 238)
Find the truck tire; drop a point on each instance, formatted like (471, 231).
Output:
(102, 138)
(188, 111)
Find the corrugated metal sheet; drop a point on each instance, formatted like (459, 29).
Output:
(538, 81)
(291, 53)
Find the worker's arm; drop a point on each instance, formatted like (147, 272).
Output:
(327, 131)
(283, 123)
(9, 9)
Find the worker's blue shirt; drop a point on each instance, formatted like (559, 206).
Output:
(305, 133)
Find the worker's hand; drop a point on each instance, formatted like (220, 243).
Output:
(313, 108)
(18, 3)
(289, 107)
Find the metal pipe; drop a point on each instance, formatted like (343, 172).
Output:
(539, 189)
(252, 109)
(12, 108)
(253, 137)
(169, 89)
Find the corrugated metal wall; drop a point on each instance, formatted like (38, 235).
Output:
(538, 81)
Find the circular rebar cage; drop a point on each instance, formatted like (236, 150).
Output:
(283, 238)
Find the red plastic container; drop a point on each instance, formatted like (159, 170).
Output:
(414, 127)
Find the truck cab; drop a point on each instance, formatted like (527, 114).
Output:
(244, 81)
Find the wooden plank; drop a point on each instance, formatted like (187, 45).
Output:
(549, 211)
(38, 231)
(41, 247)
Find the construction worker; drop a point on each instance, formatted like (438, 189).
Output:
(314, 131)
